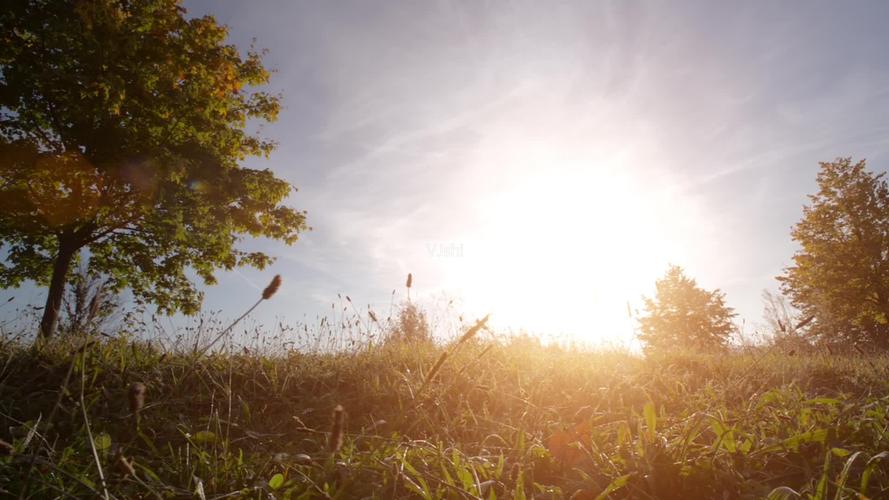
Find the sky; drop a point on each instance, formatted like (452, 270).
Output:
(546, 161)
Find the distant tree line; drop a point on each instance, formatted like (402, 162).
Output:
(837, 286)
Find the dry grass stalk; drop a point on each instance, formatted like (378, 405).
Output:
(470, 333)
(95, 302)
(435, 368)
(266, 295)
(337, 429)
(125, 465)
(137, 397)
(89, 432)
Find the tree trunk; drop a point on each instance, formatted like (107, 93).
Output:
(67, 249)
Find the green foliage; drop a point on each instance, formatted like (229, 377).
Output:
(276, 481)
(123, 125)
(501, 420)
(684, 316)
(840, 275)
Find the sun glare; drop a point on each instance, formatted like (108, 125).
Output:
(567, 248)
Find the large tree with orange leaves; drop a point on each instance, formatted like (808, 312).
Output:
(123, 125)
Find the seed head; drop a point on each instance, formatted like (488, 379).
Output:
(482, 323)
(336, 429)
(410, 280)
(137, 397)
(272, 288)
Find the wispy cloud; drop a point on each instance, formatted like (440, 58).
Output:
(406, 121)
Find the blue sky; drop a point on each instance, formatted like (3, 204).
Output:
(545, 161)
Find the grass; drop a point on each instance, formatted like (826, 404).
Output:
(507, 419)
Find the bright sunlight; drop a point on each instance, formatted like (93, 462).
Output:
(566, 246)
(444, 250)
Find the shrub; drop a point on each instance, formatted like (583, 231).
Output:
(411, 325)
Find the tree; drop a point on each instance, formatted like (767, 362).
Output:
(411, 325)
(684, 316)
(840, 275)
(122, 128)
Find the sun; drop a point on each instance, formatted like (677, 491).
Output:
(569, 249)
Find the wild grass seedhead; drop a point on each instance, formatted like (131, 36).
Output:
(337, 429)
(474, 329)
(272, 287)
(267, 293)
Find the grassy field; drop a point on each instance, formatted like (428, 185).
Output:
(507, 419)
